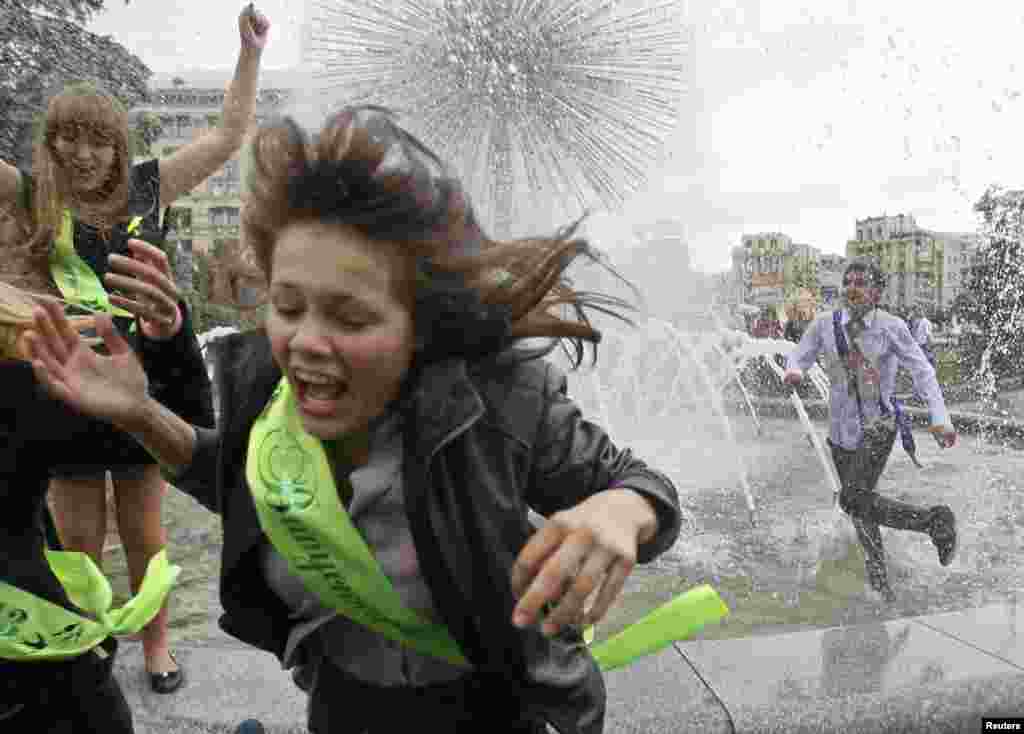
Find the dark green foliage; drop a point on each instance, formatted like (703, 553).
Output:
(44, 46)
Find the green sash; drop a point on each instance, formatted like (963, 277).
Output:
(77, 281)
(298, 508)
(34, 629)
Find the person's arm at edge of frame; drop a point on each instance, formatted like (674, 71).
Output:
(576, 459)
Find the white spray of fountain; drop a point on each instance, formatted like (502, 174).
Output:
(665, 370)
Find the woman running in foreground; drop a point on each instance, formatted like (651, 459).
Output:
(381, 439)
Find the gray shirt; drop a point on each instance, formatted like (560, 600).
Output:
(886, 343)
(378, 513)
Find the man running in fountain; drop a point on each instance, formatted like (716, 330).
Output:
(861, 347)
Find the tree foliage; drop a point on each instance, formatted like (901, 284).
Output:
(205, 313)
(147, 129)
(44, 46)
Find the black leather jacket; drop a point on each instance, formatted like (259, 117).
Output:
(483, 442)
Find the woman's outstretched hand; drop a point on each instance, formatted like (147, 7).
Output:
(582, 554)
(146, 277)
(113, 388)
(254, 27)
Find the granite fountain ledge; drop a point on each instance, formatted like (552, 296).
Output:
(1006, 429)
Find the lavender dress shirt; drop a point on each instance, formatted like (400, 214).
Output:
(886, 344)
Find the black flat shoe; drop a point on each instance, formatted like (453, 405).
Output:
(167, 682)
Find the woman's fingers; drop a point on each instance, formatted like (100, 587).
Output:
(112, 339)
(153, 295)
(129, 271)
(568, 577)
(39, 353)
(533, 555)
(144, 252)
(148, 264)
(557, 555)
(590, 578)
(45, 317)
(48, 369)
(147, 310)
(53, 385)
(613, 584)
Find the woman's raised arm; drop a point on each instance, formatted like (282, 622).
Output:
(200, 159)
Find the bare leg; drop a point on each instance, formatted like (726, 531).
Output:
(142, 533)
(80, 514)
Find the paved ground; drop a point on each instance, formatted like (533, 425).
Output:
(878, 669)
(937, 673)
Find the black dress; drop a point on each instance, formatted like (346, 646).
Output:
(108, 447)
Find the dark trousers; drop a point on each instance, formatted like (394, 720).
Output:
(78, 696)
(342, 704)
(859, 472)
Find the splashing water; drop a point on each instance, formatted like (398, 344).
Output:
(561, 104)
(659, 376)
(652, 389)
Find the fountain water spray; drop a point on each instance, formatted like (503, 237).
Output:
(716, 400)
(541, 106)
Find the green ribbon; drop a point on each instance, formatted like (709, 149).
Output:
(33, 629)
(298, 508)
(678, 619)
(75, 279)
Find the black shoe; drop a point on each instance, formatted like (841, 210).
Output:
(167, 682)
(943, 532)
(250, 726)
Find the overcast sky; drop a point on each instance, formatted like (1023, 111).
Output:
(805, 117)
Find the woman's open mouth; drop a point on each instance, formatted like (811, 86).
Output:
(317, 394)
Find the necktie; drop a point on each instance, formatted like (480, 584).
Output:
(855, 359)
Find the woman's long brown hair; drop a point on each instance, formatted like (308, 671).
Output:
(87, 106)
(333, 179)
